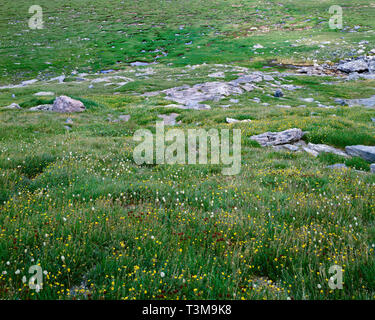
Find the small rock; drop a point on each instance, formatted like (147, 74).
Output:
(44, 93)
(169, 119)
(278, 93)
(309, 100)
(217, 75)
(288, 147)
(13, 106)
(268, 78)
(69, 121)
(43, 107)
(372, 167)
(337, 166)
(231, 120)
(124, 117)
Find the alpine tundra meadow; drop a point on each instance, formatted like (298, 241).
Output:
(187, 150)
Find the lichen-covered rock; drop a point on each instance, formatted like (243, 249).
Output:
(365, 152)
(323, 148)
(278, 138)
(64, 104)
(42, 107)
(13, 106)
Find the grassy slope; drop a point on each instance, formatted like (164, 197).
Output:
(265, 233)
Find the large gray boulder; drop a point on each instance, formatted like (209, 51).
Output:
(64, 104)
(278, 138)
(365, 152)
(359, 65)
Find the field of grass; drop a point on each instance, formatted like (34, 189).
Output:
(101, 227)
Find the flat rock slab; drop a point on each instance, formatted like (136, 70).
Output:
(367, 102)
(338, 166)
(43, 107)
(231, 120)
(210, 91)
(13, 106)
(193, 106)
(316, 149)
(44, 94)
(169, 119)
(278, 138)
(365, 152)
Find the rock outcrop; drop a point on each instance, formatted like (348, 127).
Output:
(365, 152)
(278, 138)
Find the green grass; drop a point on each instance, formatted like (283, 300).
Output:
(181, 231)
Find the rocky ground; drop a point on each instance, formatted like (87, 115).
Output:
(73, 200)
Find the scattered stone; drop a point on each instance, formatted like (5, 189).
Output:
(338, 166)
(13, 106)
(278, 138)
(231, 120)
(106, 71)
(66, 104)
(217, 75)
(139, 64)
(214, 91)
(247, 87)
(341, 102)
(316, 149)
(359, 65)
(60, 79)
(365, 152)
(28, 82)
(258, 46)
(309, 100)
(268, 78)
(43, 107)
(288, 147)
(254, 77)
(44, 93)
(367, 102)
(372, 167)
(290, 87)
(169, 119)
(69, 121)
(67, 128)
(278, 93)
(283, 106)
(124, 117)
